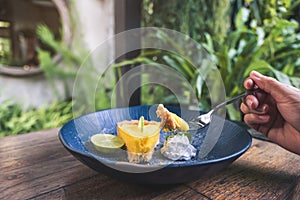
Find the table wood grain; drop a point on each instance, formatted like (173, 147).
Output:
(37, 166)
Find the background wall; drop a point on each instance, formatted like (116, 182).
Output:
(92, 23)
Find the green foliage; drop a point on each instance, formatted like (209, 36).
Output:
(191, 17)
(14, 120)
(157, 58)
(67, 68)
(5, 52)
(268, 43)
(65, 72)
(204, 21)
(247, 35)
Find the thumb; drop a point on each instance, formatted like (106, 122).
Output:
(270, 85)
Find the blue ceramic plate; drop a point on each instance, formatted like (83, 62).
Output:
(220, 149)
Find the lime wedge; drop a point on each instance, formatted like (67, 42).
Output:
(106, 142)
(141, 123)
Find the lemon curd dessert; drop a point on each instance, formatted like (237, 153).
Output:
(140, 137)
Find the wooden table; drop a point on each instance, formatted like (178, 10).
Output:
(37, 166)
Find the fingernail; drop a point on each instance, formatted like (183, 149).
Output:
(249, 103)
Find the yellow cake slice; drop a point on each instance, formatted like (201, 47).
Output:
(140, 138)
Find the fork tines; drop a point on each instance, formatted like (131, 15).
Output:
(199, 123)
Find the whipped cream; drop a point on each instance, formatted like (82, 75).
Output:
(178, 147)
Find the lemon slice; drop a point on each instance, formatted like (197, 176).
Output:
(106, 142)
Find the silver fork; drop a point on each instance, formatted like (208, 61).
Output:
(204, 119)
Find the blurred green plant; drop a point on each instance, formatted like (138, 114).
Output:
(14, 120)
(54, 71)
(267, 42)
(5, 53)
(191, 17)
(155, 93)
(260, 35)
(66, 68)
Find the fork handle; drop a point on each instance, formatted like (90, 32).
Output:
(231, 100)
(255, 89)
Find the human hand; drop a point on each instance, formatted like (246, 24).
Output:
(274, 110)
